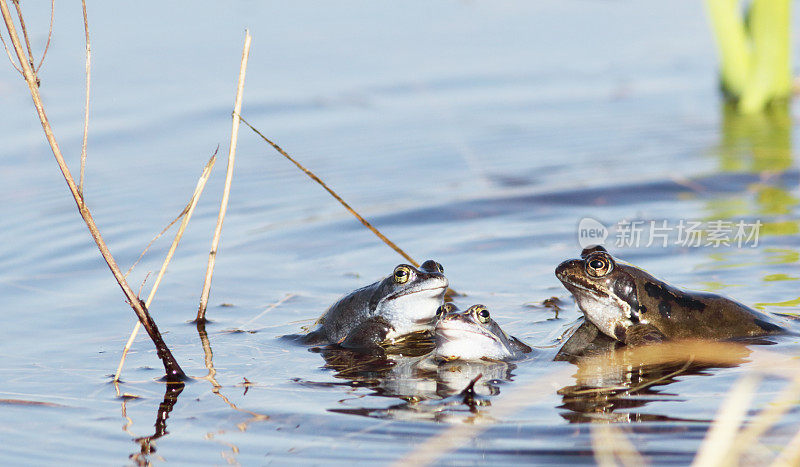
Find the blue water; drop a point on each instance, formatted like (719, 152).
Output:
(474, 133)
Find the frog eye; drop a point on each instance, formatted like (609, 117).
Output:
(445, 309)
(598, 266)
(432, 265)
(483, 314)
(401, 274)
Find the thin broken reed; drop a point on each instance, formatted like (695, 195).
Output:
(50, 31)
(147, 248)
(88, 86)
(270, 307)
(173, 371)
(334, 194)
(18, 9)
(212, 255)
(187, 215)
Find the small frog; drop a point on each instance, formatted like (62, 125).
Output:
(631, 306)
(400, 304)
(473, 335)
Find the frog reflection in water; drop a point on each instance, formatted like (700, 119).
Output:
(403, 303)
(443, 381)
(621, 386)
(473, 335)
(633, 307)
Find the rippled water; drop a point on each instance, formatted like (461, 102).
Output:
(474, 133)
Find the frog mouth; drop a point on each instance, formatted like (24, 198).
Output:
(451, 333)
(577, 287)
(574, 282)
(412, 292)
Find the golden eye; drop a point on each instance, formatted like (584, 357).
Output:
(483, 314)
(598, 266)
(445, 309)
(401, 274)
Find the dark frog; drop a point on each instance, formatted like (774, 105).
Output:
(400, 304)
(632, 306)
(473, 335)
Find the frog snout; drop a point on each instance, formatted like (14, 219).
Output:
(567, 265)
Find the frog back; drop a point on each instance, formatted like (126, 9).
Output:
(686, 314)
(348, 313)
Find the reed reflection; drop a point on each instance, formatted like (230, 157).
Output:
(146, 443)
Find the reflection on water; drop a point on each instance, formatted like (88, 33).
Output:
(615, 383)
(762, 144)
(758, 142)
(617, 386)
(457, 92)
(146, 443)
(429, 388)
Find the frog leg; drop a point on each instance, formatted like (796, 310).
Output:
(642, 334)
(367, 335)
(518, 345)
(312, 338)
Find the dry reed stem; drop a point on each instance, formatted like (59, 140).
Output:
(147, 248)
(50, 31)
(334, 194)
(24, 32)
(768, 417)
(10, 57)
(187, 215)
(88, 83)
(212, 255)
(610, 445)
(790, 456)
(164, 230)
(716, 447)
(270, 307)
(171, 367)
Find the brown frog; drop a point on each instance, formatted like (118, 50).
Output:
(632, 306)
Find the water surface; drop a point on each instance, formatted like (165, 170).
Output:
(474, 133)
